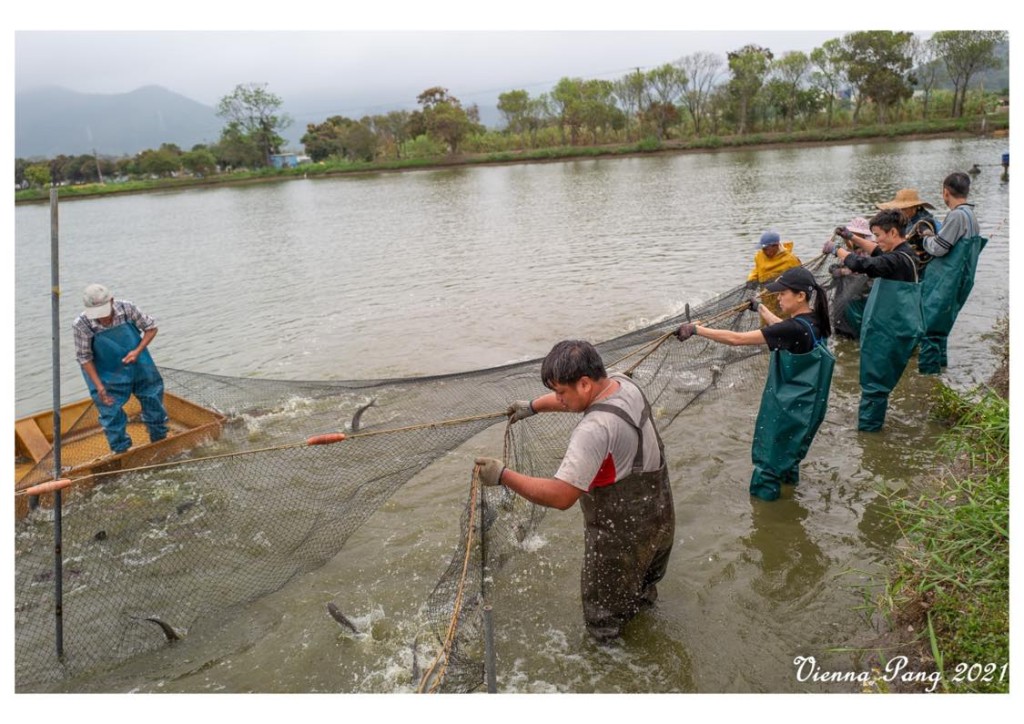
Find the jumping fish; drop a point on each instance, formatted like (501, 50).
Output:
(168, 630)
(340, 617)
(359, 414)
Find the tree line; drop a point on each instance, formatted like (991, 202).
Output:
(864, 76)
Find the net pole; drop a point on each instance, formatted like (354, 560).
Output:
(489, 660)
(58, 564)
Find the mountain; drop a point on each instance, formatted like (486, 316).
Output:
(51, 121)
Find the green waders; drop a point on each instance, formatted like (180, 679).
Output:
(793, 405)
(629, 527)
(944, 290)
(892, 326)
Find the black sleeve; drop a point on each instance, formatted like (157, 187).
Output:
(790, 335)
(889, 265)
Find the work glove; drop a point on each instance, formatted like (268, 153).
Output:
(490, 470)
(751, 285)
(686, 331)
(520, 410)
(829, 247)
(754, 303)
(843, 233)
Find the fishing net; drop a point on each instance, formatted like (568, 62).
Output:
(151, 550)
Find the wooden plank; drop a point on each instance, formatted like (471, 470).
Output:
(32, 439)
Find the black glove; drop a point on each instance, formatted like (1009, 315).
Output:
(843, 233)
(754, 304)
(686, 331)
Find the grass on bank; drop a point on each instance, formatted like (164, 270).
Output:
(648, 145)
(951, 580)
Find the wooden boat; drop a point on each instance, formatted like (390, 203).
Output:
(84, 450)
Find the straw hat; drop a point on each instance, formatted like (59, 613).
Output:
(905, 198)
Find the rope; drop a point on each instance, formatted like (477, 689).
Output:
(286, 446)
(449, 638)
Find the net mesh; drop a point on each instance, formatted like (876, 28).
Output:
(148, 551)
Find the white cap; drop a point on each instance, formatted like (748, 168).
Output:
(97, 301)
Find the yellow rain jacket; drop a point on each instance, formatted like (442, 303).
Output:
(765, 269)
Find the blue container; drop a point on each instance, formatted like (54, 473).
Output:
(1006, 159)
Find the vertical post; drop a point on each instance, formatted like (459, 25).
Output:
(490, 675)
(58, 564)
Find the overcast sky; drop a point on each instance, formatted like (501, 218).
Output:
(388, 55)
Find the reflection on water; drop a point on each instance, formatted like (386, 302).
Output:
(440, 271)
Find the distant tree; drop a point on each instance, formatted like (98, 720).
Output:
(790, 72)
(597, 107)
(444, 118)
(632, 93)
(340, 137)
(749, 66)
(829, 72)
(927, 68)
(252, 114)
(236, 149)
(38, 174)
(514, 106)
(965, 53)
(660, 116)
(878, 66)
(159, 163)
(667, 83)
(20, 164)
(59, 167)
(391, 130)
(199, 162)
(702, 70)
(567, 103)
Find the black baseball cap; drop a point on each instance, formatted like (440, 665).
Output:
(796, 278)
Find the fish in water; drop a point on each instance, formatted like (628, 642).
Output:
(168, 630)
(340, 617)
(716, 373)
(359, 414)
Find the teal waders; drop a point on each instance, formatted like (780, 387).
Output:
(793, 405)
(944, 290)
(893, 322)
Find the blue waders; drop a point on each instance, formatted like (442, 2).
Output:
(893, 321)
(141, 378)
(793, 405)
(944, 290)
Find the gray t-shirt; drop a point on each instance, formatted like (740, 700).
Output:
(960, 223)
(602, 447)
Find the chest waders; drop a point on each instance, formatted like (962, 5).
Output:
(109, 346)
(628, 531)
(944, 290)
(793, 405)
(892, 326)
(848, 315)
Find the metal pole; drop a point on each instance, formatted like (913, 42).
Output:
(58, 565)
(489, 659)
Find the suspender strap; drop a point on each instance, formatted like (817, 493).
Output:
(638, 459)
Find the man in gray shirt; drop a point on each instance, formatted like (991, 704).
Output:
(950, 278)
(615, 466)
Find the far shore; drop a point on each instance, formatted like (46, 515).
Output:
(755, 142)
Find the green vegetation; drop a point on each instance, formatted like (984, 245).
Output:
(421, 153)
(865, 84)
(952, 578)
